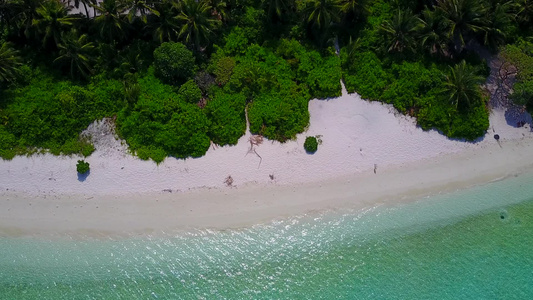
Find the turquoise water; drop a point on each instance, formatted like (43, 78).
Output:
(472, 244)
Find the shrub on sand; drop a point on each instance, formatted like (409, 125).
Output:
(311, 144)
(82, 167)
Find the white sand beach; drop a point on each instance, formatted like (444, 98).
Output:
(42, 194)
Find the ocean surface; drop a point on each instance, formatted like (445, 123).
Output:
(471, 244)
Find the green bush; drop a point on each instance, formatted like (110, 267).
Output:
(236, 42)
(82, 167)
(8, 143)
(363, 73)
(161, 123)
(279, 116)
(321, 74)
(468, 125)
(311, 144)
(523, 94)
(173, 63)
(278, 85)
(190, 92)
(223, 69)
(226, 113)
(521, 56)
(411, 82)
(50, 114)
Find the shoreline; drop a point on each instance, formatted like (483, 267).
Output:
(231, 208)
(370, 156)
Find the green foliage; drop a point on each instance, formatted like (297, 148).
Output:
(52, 19)
(259, 71)
(223, 69)
(364, 73)
(412, 85)
(10, 63)
(421, 91)
(278, 84)
(523, 93)
(198, 22)
(400, 31)
(82, 167)
(311, 144)
(50, 114)
(439, 114)
(448, 100)
(320, 73)
(279, 116)
(270, 58)
(521, 56)
(227, 119)
(463, 17)
(253, 23)
(109, 21)
(471, 125)
(236, 42)
(173, 63)
(75, 54)
(321, 13)
(8, 144)
(161, 123)
(190, 92)
(462, 85)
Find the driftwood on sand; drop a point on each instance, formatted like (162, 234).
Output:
(255, 140)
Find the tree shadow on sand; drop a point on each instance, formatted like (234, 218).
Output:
(517, 116)
(82, 177)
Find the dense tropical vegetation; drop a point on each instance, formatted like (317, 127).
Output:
(180, 74)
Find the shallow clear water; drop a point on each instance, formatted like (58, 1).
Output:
(472, 244)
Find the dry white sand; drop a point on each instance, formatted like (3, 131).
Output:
(42, 193)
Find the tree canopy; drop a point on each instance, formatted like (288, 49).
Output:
(179, 75)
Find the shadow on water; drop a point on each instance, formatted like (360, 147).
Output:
(82, 177)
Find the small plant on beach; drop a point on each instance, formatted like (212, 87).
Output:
(311, 144)
(82, 167)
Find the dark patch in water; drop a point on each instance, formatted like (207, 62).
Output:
(503, 215)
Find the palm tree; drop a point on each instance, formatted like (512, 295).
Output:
(8, 10)
(9, 63)
(75, 52)
(464, 17)
(164, 25)
(401, 31)
(525, 11)
(198, 22)
(352, 49)
(52, 19)
(24, 12)
(86, 4)
(131, 60)
(500, 18)
(321, 13)
(139, 8)
(462, 85)
(275, 8)
(110, 19)
(354, 8)
(219, 9)
(433, 32)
